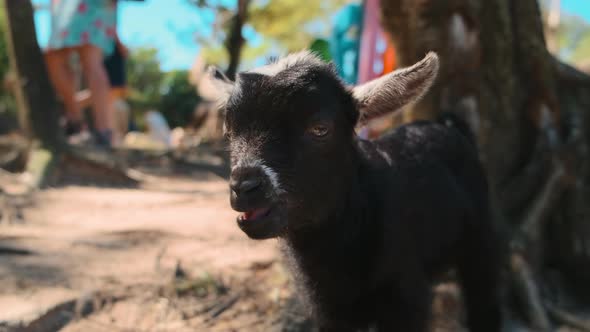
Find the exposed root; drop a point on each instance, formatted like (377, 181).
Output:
(544, 203)
(528, 293)
(568, 74)
(567, 318)
(94, 166)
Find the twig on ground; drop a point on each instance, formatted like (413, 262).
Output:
(224, 306)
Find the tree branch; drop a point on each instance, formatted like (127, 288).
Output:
(235, 40)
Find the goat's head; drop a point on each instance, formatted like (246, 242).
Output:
(290, 127)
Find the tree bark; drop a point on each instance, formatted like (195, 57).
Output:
(235, 39)
(38, 108)
(528, 112)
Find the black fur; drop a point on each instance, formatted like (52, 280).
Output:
(366, 225)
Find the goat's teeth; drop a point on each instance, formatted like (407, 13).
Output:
(254, 214)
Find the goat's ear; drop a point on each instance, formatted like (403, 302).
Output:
(216, 85)
(395, 90)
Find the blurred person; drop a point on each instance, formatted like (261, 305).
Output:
(87, 28)
(116, 72)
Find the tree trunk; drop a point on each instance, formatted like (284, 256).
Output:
(37, 105)
(529, 114)
(235, 39)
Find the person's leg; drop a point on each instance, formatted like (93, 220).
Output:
(63, 79)
(84, 98)
(92, 65)
(115, 68)
(121, 116)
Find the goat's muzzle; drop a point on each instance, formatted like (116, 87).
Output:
(252, 194)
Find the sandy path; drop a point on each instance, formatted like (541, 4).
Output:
(87, 239)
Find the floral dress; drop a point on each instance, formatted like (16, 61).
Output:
(81, 22)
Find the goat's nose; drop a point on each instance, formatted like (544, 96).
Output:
(244, 186)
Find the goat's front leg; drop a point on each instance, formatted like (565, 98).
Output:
(335, 328)
(333, 324)
(407, 309)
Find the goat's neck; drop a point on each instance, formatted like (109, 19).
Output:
(328, 255)
(338, 235)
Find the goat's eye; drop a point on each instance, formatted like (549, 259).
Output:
(318, 130)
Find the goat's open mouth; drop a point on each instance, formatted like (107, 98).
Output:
(255, 214)
(261, 223)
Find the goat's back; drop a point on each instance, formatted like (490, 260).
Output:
(424, 146)
(442, 192)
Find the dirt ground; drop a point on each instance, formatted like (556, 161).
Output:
(163, 257)
(127, 244)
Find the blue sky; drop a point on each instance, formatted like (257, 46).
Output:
(170, 26)
(577, 7)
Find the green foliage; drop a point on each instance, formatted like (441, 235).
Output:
(7, 103)
(283, 26)
(582, 52)
(292, 24)
(217, 54)
(152, 89)
(4, 64)
(202, 286)
(144, 77)
(179, 98)
(321, 47)
(573, 37)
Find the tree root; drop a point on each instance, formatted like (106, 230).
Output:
(539, 211)
(41, 165)
(527, 291)
(567, 318)
(544, 203)
(47, 167)
(570, 75)
(95, 166)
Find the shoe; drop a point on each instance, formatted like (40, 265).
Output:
(81, 138)
(103, 138)
(73, 128)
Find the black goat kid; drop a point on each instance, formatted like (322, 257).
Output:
(366, 225)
